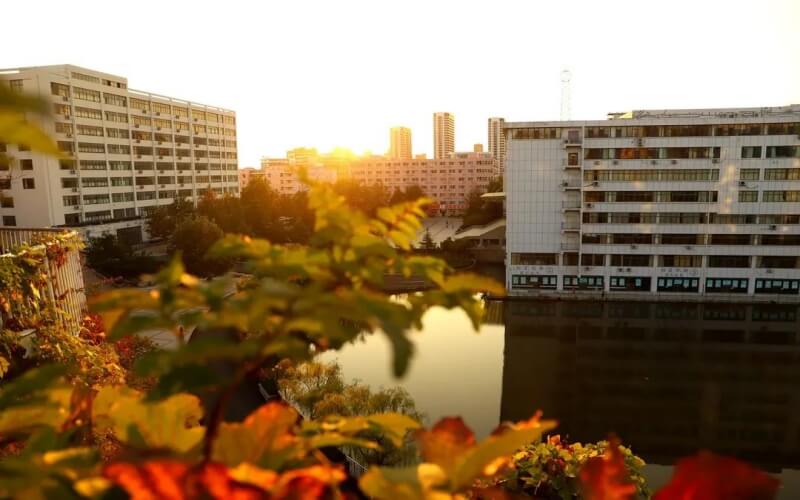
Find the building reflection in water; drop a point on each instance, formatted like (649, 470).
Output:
(667, 378)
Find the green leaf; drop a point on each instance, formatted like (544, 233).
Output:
(394, 426)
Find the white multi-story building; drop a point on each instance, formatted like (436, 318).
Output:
(444, 135)
(125, 151)
(675, 204)
(497, 141)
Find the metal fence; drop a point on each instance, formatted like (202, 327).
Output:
(65, 288)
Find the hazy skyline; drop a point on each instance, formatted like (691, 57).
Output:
(324, 74)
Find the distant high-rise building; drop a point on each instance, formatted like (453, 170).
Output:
(497, 142)
(444, 135)
(477, 148)
(302, 156)
(400, 143)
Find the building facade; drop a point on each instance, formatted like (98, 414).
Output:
(400, 143)
(444, 135)
(283, 175)
(497, 142)
(677, 205)
(447, 181)
(125, 152)
(248, 174)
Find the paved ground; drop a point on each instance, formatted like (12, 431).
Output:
(440, 228)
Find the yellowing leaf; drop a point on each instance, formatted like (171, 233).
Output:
(406, 483)
(265, 438)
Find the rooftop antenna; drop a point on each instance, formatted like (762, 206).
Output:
(566, 76)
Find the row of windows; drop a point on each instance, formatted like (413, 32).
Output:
(678, 261)
(687, 218)
(663, 284)
(651, 175)
(140, 104)
(650, 196)
(690, 239)
(680, 153)
(139, 165)
(694, 130)
(144, 121)
(94, 147)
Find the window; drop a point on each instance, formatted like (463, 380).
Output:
(631, 260)
(69, 182)
(26, 164)
(115, 100)
(533, 282)
(780, 239)
(91, 147)
(9, 220)
(95, 199)
(162, 124)
(781, 196)
(90, 130)
(94, 114)
(740, 129)
(119, 149)
(783, 128)
(71, 201)
(85, 94)
(5, 183)
(119, 165)
(63, 128)
(784, 287)
(94, 182)
(782, 174)
(628, 284)
(681, 239)
(28, 183)
(687, 285)
(59, 89)
(680, 261)
(749, 174)
(159, 107)
(748, 196)
(631, 239)
(85, 78)
(121, 181)
(141, 121)
(729, 239)
(726, 285)
(118, 133)
(738, 261)
(6, 202)
(121, 197)
(778, 262)
(116, 117)
(139, 104)
(783, 152)
(198, 115)
(148, 195)
(588, 259)
(180, 112)
(751, 151)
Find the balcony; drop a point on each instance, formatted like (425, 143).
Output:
(570, 227)
(571, 184)
(571, 205)
(570, 245)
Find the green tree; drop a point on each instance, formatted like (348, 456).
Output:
(427, 242)
(161, 221)
(113, 257)
(193, 238)
(261, 207)
(495, 185)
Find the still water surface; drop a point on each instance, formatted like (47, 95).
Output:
(667, 378)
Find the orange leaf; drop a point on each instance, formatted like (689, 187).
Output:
(606, 478)
(445, 442)
(712, 477)
(150, 481)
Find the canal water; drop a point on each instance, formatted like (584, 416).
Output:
(669, 379)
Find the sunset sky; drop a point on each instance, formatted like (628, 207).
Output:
(340, 73)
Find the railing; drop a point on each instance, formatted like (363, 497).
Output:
(572, 245)
(65, 289)
(571, 204)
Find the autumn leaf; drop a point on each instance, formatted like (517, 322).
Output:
(449, 439)
(266, 438)
(707, 476)
(605, 477)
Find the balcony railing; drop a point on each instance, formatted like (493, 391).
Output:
(571, 204)
(570, 245)
(65, 289)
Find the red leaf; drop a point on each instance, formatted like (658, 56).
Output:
(446, 441)
(713, 477)
(606, 478)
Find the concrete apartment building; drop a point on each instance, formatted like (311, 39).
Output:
(497, 142)
(667, 204)
(444, 135)
(248, 174)
(400, 143)
(448, 181)
(282, 173)
(126, 151)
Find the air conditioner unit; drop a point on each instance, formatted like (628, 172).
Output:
(177, 116)
(742, 184)
(715, 160)
(163, 186)
(180, 185)
(158, 128)
(77, 207)
(159, 142)
(68, 134)
(72, 172)
(615, 162)
(195, 119)
(67, 117)
(674, 162)
(620, 269)
(769, 271)
(135, 125)
(639, 142)
(587, 268)
(565, 183)
(138, 141)
(773, 227)
(158, 113)
(634, 247)
(597, 162)
(140, 172)
(74, 190)
(144, 111)
(688, 247)
(160, 157)
(141, 187)
(653, 162)
(628, 269)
